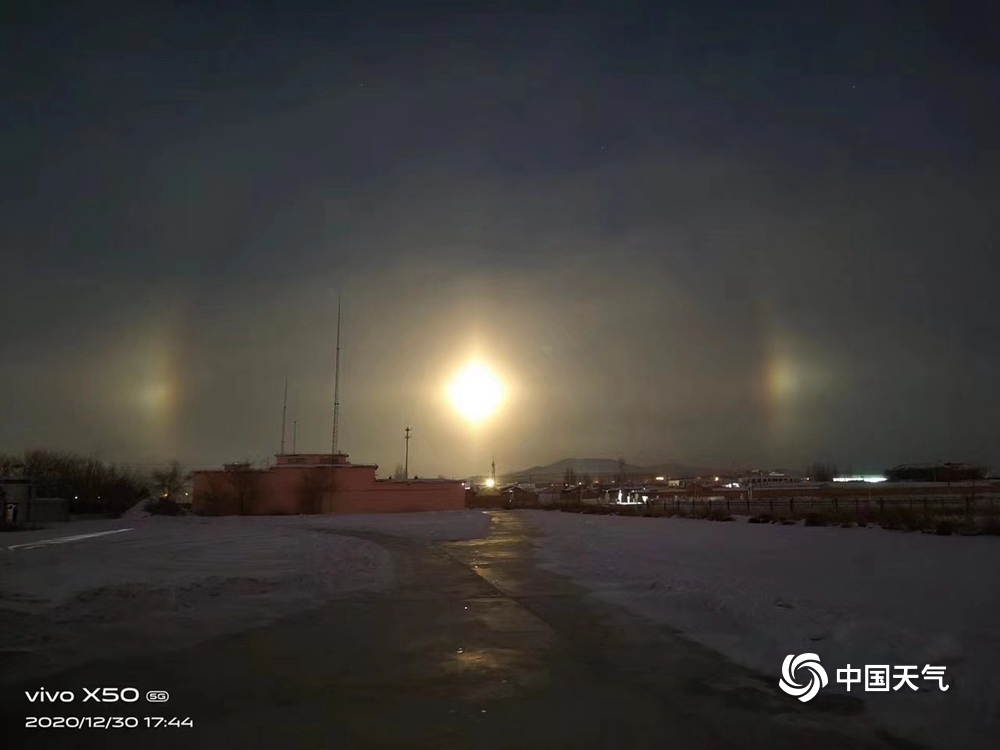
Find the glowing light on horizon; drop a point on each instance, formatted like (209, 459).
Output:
(476, 392)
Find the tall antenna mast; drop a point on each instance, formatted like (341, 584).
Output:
(336, 383)
(406, 460)
(295, 435)
(284, 410)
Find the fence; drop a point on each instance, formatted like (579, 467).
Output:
(858, 508)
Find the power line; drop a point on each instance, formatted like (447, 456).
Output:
(406, 460)
(284, 410)
(336, 383)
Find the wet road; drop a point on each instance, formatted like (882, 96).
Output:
(475, 647)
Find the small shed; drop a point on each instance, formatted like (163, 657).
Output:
(18, 503)
(550, 496)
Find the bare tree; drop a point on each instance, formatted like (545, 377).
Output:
(569, 477)
(169, 482)
(87, 484)
(244, 480)
(314, 487)
(399, 473)
(820, 472)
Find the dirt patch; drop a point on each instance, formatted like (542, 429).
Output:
(124, 602)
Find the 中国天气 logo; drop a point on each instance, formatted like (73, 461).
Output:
(790, 672)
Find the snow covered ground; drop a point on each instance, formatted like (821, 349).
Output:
(861, 596)
(162, 583)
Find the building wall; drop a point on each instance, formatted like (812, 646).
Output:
(17, 497)
(401, 497)
(318, 488)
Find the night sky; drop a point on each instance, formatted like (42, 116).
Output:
(694, 231)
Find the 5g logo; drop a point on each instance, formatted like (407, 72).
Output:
(157, 696)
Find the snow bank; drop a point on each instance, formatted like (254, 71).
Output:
(170, 582)
(861, 596)
(137, 511)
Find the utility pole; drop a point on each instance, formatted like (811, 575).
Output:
(295, 434)
(284, 410)
(336, 384)
(493, 471)
(406, 458)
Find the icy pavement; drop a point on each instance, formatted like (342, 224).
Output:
(861, 596)
(164, 583)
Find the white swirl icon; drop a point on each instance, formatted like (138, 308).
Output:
(817, 676)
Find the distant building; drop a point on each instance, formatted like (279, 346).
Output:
(626, 496)
(550, 496)
(946, 472)
(770, 479)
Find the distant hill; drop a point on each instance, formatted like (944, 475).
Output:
(674, 469)
(595, 467)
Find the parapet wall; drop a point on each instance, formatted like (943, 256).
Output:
(321, 487)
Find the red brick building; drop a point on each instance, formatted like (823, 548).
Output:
(317, 483)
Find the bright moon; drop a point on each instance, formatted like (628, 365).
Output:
(476, 392)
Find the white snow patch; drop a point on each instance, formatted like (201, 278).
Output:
(861, 596)
(138, 510)
(174, 581)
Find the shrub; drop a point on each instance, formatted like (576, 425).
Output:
(163, 506)
(762, 518)
(991, 527)
(216, 501)
(718, 515)
(944, 528)
(815, 519)
(896, 519)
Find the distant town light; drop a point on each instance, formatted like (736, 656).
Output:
(871, 478)
(659, 479)
(716, 479)
(490, 482)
